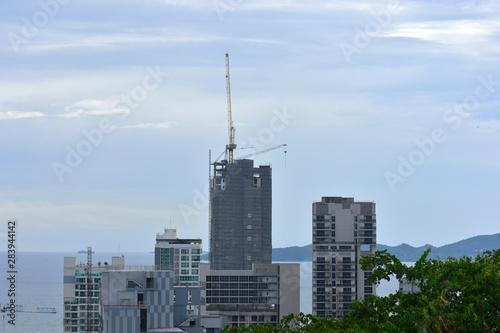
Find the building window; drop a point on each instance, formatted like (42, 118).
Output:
(150, 282)
(188, 278)
(184, 251)
(249, 238)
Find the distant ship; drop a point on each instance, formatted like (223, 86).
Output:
(84, 251)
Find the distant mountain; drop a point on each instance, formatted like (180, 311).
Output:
(404, 252)
(293, 254)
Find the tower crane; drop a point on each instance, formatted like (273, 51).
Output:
(231, 146)
(29, 309)
(5, 308)
(231, 130)
(262, 151)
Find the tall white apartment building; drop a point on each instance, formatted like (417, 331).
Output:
(343, 231)
(180, 256)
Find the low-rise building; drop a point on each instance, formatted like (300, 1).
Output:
(146, 300)
(77, 316)
(181, 256)
(408, 287)
(264, 294)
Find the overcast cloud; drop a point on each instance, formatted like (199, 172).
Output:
(108, 111)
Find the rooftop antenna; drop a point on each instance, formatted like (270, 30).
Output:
(89, 322)
(285, 158)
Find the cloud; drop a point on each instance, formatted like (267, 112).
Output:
(87, 107)
(20, 115)
(167, 124)
(492, 125)
(447, 32)
(277, 5)
(110, 106)
(57, 40)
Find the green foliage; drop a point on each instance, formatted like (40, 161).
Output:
(455, 295)
(300, 323)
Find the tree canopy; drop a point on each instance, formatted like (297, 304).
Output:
(455, 295)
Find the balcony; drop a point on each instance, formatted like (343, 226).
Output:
(366, 234)
(366, 226)
(371, 220)
(346, 270)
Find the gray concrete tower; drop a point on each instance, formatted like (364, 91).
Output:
(240, 215)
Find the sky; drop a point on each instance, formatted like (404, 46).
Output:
(108, 110)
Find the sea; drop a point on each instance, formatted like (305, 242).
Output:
(39, 283)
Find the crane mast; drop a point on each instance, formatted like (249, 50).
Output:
(231, 131)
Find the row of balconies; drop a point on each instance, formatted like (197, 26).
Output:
(359, 241)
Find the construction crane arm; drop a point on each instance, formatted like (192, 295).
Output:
(231, 130)
(30, 309)
(262, 151)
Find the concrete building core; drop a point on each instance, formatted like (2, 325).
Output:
(240, 215)
(343, 232)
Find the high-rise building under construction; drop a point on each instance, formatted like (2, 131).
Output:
(241, 282)
(240, 215)
(240, 210)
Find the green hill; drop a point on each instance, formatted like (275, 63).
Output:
(404, 252)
